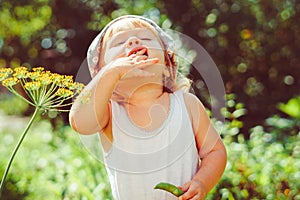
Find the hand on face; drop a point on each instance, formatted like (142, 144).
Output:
(137, 47)
(132, 66)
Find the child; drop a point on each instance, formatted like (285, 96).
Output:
(150, 129)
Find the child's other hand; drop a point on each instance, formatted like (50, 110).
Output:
(193, 190)
(132, 66)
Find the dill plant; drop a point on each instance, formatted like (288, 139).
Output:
(42, 89)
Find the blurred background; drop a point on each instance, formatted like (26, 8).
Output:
(255, 45)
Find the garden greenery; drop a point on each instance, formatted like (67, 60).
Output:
(264, 166)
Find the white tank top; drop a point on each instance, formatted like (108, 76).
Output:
(140, 159)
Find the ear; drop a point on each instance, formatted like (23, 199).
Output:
(171, 56)
(166, 71)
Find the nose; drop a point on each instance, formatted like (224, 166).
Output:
(133, 41)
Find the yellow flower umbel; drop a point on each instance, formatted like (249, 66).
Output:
(44, 90)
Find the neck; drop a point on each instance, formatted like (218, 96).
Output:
(145, 95)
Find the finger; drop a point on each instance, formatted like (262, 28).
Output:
(189, 194)
(148, 61)
(197, 197)
(132, 56)
(140, 58)
(186, 186)
(131, 62)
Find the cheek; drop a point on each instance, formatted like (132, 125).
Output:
(157, 52)
(113, 53)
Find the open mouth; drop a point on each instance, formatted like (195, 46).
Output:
(139, 51)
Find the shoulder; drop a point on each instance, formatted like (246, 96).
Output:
(195, 108)
(192, 101)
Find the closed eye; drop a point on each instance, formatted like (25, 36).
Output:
(119, 43)
(146, 39)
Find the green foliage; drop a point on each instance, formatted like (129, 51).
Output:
(232, 113)
(261, 168)
(265, 166)
(254, 43)
(114, 9)
(7, 100)
(51, 163)
(292, 107)
(23, 20)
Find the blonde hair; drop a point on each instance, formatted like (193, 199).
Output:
(171, 82)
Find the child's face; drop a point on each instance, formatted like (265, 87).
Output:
(126, 39)
(132, 41)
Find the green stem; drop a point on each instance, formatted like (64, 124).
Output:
(20, 96)
(17, 148)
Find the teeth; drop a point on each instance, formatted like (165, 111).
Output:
(141, 52)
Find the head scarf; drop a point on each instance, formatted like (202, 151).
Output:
(93, 53)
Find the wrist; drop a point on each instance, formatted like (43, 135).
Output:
(202, 185)
(111, 74)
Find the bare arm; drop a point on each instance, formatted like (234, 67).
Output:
(88, 117)
(90, 111)
(211, 151)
